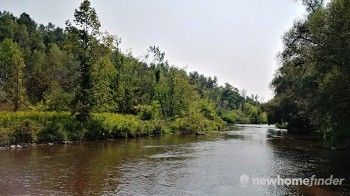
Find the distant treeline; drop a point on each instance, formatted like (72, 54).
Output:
(81, 70)
(312, 86)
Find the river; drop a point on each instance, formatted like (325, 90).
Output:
(209, 164)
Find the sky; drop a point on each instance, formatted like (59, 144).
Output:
(235, 40)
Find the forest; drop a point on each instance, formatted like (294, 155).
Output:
(312, 85)
(74, 83)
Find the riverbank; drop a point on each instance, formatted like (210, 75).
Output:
(27, 128)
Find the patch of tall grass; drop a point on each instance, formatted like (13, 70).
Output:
(56, 127)
(41, 127)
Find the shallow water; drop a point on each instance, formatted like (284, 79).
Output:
(176, 165)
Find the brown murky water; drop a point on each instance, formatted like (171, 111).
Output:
(175, 165)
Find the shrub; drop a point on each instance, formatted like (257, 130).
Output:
(56, 99)
(196, 122)
(201, 117)
(262, 119)
(24, 131)
(4, 136)
(144, 112)
(34, 126)
(207, 109)
(148, 112)
(283, 125)
(52, 132)
(157, 127)
(230, 117)
(95, 130)
(117, 125)
(76, 130)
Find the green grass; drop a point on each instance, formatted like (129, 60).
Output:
(56, 127)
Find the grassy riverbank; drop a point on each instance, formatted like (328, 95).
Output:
(56, 127)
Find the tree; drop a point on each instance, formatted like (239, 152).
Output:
(84, 36)
(82, 70)
(312, 85)
(12, 64)
(102, 74)
(230, 97)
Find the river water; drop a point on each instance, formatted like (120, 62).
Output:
(176, 165)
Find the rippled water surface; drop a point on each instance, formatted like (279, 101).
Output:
(175, 165)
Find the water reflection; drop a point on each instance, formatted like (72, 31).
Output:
(173, 164)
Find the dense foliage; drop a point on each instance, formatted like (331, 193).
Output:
(82, 71)
(38, 127)
(312, 87)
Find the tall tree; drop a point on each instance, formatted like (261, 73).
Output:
(312, 86)
(84, 34)
(12, 64)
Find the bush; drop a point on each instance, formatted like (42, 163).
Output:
(95, 131)
(248, 114)
(23, 132)
(43, 127)
(33, 126)
(76, 130)
(148, 112)
(56, 99)
(122, 126)
(262, 119)
(201, 117)
(242, 118)
(195, 123)
(230, 117)
(157, 127)
(207, 109)
(144, 112)
(4, 136)
(117, 125)
(283, 125)
(52, 132)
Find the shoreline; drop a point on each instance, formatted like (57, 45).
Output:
(32, 145)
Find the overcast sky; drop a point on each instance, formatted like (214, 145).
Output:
(235, 40)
